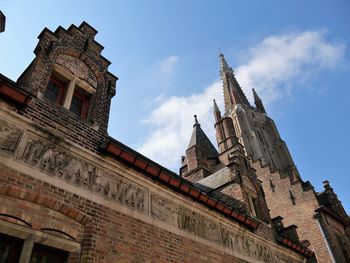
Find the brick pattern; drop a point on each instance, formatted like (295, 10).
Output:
(301, 214)
(106, 235)
(76, 49)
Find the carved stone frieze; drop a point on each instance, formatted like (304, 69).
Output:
(211, 230)
(9, 138)
(163, 210)
(197, 224)
(55, 161)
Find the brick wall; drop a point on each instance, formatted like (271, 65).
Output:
(300, 214)
(76, 51)
(106, 235)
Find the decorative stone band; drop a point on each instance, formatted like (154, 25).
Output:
(9, 138)
(56, 161)
(155, 171)
(53, 159)
(172, 180)
(240, 243)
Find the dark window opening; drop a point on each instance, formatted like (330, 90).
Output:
(10, 248)
(45, 254)
(80, 103)
(55, 91)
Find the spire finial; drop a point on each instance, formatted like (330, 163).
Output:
(196, 123)
(224, 66)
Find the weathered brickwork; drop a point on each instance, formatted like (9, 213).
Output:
(107, 235)
(83, 202)
(301, 213)
(76, 51)
(318, 218)
(66, 185)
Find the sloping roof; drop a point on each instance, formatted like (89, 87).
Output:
(199, 139)
(215, 180)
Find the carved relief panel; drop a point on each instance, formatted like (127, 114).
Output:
(211, 230)
(56, 161)
(9, 138)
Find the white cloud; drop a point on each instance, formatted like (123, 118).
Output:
(272, 67)
(282, 62)
(163, 71)
(172, 121)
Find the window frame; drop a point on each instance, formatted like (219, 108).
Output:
(62, 89)
(86, 103)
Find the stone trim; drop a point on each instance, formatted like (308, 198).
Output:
(41, 162)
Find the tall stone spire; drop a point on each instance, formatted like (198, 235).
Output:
(233, 93)
(258, 102)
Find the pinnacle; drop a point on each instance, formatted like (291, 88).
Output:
(216, 108)
(196, 123)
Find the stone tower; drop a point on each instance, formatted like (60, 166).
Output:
(255, 130)
(318, 218)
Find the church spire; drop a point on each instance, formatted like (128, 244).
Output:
(233, 93)
(223, 64)
(258, 102)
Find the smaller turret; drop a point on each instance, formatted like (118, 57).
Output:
(201, 156)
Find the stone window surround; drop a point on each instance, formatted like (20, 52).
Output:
(31, 236)
(73, 82)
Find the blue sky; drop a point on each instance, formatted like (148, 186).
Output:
(295, 54)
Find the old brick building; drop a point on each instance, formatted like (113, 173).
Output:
(318, 220)
(71, 193)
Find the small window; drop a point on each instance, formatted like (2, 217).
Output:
(10, 248)
(45, 254)
(70, 92)
(55, 91)
(80, 103)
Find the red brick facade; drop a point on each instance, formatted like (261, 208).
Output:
(67, 189)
